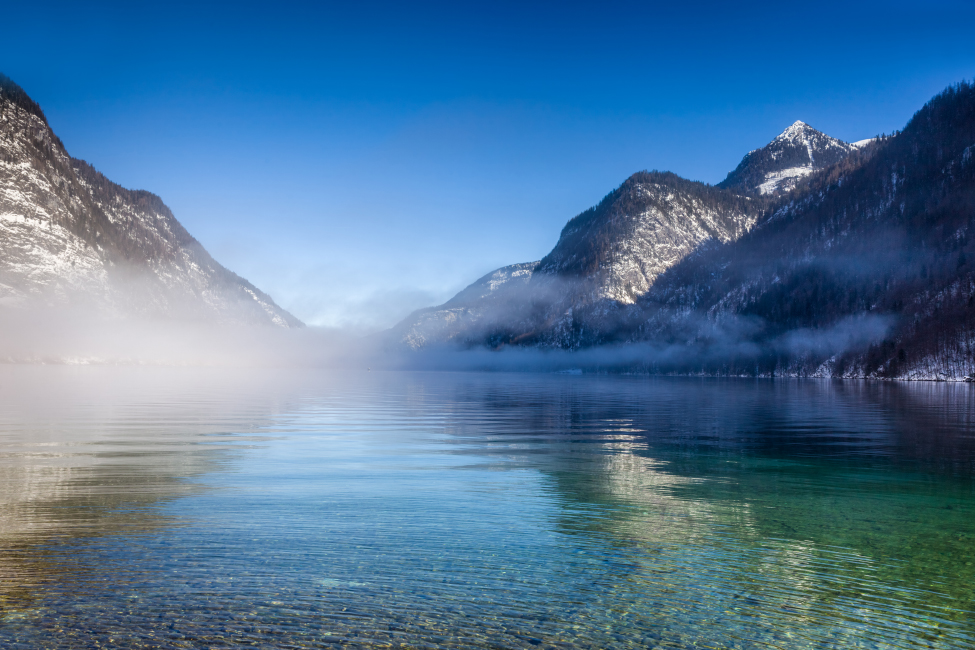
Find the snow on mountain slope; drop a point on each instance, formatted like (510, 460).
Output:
(493, 297)
(643, 228)
(611, 255)
(494, 283)
(864, 270)
(68, 235)
(606, 258)
(777, 167)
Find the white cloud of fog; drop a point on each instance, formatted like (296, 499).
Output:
(372, 312)
(72, 335)
(65, 335)
(850, 333)
(730, 343)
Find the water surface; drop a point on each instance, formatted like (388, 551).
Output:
(167, 508)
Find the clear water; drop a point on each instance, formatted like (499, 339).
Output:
(208, 509)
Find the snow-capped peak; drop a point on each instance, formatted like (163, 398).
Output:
(777, 167)
(796, 130)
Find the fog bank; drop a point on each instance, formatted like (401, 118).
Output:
(75, 336)
(60, 335)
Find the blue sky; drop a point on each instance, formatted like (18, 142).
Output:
(359, 160)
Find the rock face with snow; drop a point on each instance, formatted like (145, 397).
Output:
(795, 153)
(865, 269)
(68, 235)
(605, 259)
(492, 301)
(815, 257)
(648, 224)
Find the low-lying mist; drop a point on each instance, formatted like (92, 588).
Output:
(725, 350)
(77, 335)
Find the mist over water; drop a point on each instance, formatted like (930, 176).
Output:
(210, 507)
(83, 336)
(79, 336)
(615, 447)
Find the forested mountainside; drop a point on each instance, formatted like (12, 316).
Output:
(863, 270)
(68, 235)
(865, 267)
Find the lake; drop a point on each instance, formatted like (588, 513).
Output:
(204, 508)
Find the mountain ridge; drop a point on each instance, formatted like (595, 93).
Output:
(609, 255)
(69, 235)
(606, 256)
(860, 267)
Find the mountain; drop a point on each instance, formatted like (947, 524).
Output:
(70, 236)
(606, 257)
(648, 224)
(472, 313)
(777, 167)
(815, 257)
(609, 256)
(867, 268)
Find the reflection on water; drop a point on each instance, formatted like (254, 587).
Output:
(188, 508)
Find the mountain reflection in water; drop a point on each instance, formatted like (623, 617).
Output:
(188, 508)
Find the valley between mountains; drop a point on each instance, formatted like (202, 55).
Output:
(814, 257)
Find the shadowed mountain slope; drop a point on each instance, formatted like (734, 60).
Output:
(863, 270)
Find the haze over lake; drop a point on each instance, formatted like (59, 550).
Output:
(161, 507)
(499, 326)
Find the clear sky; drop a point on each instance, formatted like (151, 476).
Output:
(357, 160)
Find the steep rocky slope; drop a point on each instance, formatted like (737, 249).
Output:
(610, 255)
(68, 235)
(651, 222)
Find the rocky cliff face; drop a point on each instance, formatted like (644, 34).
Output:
(651, 222)
(68, 235)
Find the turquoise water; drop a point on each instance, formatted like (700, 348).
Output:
(166, 508)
